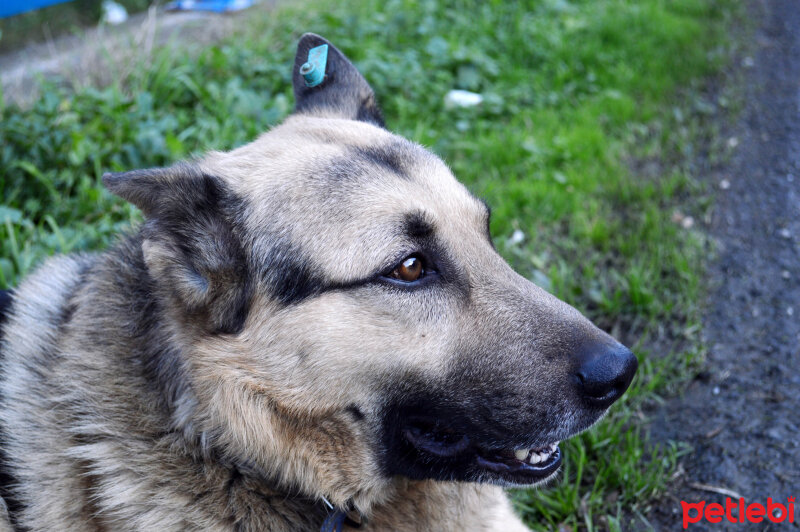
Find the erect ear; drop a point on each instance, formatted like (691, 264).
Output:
(331, 86)
(190, 243)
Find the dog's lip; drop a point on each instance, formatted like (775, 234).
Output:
(521, 471)
(539, 463)
(438, 442)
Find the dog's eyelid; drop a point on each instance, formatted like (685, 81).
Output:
(428, 269)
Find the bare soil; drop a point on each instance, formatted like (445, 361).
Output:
(96, 55)
(741, 413)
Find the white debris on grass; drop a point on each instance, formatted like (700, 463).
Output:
(516, 237)
(724, 184)
(460, 98)
(687, 222)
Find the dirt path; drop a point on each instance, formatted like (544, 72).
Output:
(742, 415)
(95, 55)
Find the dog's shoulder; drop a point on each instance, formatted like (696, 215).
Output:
(6, 297)
(32, 312)
(5, 304)
(30, 317)
(5, 524)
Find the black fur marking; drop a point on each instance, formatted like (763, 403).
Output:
(388, 156)
(201, 219)
(290, 276)
(412, 399)
(356, 412)
(488, 221)
(13, 504)
(340, 170)
(5, 307)
(143, 188)
(416, 225)
(7, 480)
(70, 305)
(446, 405)
(368, 111)
(67, 312)
(194, 218)
(359, 163)
(144, 323)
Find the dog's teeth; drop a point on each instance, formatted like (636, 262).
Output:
(538, 455)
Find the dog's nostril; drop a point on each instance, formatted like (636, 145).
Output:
(605, 374)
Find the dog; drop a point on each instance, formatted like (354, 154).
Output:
(310, 332)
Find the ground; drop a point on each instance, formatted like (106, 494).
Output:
(741, 414)
(83, 59)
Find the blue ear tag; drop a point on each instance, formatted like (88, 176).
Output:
(313, 70)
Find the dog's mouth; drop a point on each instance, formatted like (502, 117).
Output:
(522, 466)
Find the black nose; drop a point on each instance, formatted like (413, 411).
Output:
(605, 373)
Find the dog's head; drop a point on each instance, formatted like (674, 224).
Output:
(344, 318)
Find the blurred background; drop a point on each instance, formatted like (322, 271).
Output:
(601, 135)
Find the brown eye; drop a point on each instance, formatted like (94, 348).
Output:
(410, 270)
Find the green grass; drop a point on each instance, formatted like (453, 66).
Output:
(578, 96)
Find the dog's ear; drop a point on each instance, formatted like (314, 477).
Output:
(191, 247)
(334, 86)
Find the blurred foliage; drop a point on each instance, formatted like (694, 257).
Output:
(577, 94)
